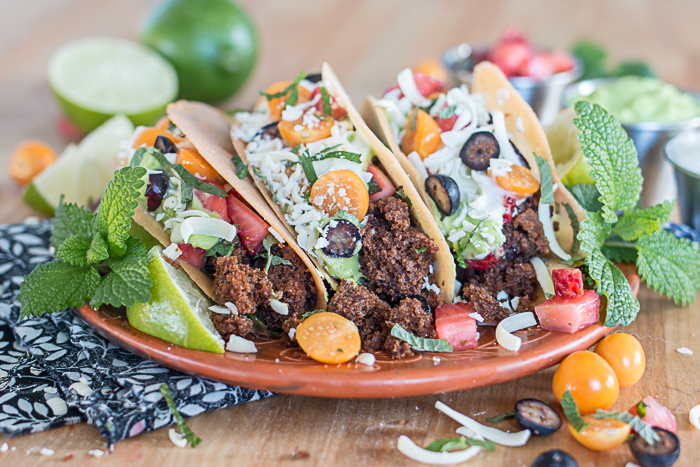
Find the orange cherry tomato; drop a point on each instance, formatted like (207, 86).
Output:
(431, 67)
(295, 133)
(422, 134)
(163, 123)
(148, 137)
(329, 338)
(278, 104)
(625, 355)
(195, 164)
(590, 379)
(340, 190)
(601, 435)
(519, 181)
(29, 159)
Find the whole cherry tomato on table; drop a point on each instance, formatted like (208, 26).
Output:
(625, 355)
(590, 379)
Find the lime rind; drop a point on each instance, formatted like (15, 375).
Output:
(178, 311)
(571, 165)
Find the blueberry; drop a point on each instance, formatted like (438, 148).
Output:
(554, 458)
(342, 239)
(662, 453)
(165, 145)
(479, 149)
(535, 415)
(444, 191)
(156, 190)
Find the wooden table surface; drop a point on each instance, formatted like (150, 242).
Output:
(367, 42)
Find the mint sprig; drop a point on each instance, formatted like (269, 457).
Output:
(668, 264)
(96, 258)
(645, 430)
(546, 184)
(191, 438)
(571, 412)
(421, 343)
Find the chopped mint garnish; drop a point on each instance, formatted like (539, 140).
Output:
(309, 313)
(221, 249)
(644, 430)
(402, 196)
(351, 156)
(191, 438)
(546, 185)
(421, 250)
(241, 168)
(186, 176)
(138, 157)
(447, 112)
(571, 412)
(273, 260)
(421, 343)
(308, 166)
(373, 187)
(413, 119)
(500, 417)
(291, 89)
(461, 442)
(261, 325)
(325, 98)
(259, 174)
(96, 258)
(575, 244)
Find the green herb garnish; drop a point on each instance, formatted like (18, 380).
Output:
(308, 166)
(500, 417)
(447, 112)
(373, 187)
(575, 244)
(241, 168)
(421, 250)
(221, 249)
(645, 430)
(198, 184)
(325, 98)
(421, 343)
(267, 182)
(413, 119)
(261, 325)
(96, 258)
(309, 313)
(461, 442)
(571, 412)
(587, 196)
(191, 438)
(351, 156)
(273, 260)
(546, 185)
(402, 196)
(291, 89)
(138, 157)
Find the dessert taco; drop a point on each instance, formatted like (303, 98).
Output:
(218, 227)
(344, 196)
(481, 161)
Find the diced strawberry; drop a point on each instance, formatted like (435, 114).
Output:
(656, 415)
(383, 182)
(338, 113)
(484, 263)
(252, 229)
(446, 124)
(567, 282)
(211, 202)
(511, 53)
(426, 84)
(539, 66)
(453, 323)
(509, 204)
(569, 314)
(563, 61)
(192, 255)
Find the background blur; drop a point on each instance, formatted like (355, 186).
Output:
(367, 42)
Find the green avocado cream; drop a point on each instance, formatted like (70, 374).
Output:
(636, 99)
(342, 268)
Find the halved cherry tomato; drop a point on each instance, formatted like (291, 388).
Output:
(29, 159)
(590, 379)
(601, 435)
(252, 229)
(656, 414)
(328, 338)
(195, 164)
(432, 68)
(148, 137)
(295, 133)
(278, 104)
(340, 190)
(446, 124)
(519, 181)
(383, 182)
(422, 135)
(625, 355)
(337, 112)
(211, 202)
(163, 123)
(192, 255)
(426, 84)
(453, 323)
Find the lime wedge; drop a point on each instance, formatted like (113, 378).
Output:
(570, 163)
(178, 311)
(83, 171)
(98, 77)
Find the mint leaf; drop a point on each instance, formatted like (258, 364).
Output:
(221, 249)
(70, 220)
(571, 412)
(587, 196)
(241, 168)
(636, 224)
(575, 244)
(137, 157)
(447, 112)
(259, 174)
(129, 280)
(275, 260)
(57, 286)
(421, 343)
(351, 156)
(309, 313)
(98, 251)
(612, 157)
(546, 184)
(325, 98)
(74, 250)
(645, 430)
(261, 325)
(500, 417)
(620, 254)
(191, 438)
(402, 196)
(669, 265)
(117, 207)
(198, 184)
(308, 166)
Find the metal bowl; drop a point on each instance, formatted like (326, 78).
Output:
(543, 96)
(687, 181)
(649, 138)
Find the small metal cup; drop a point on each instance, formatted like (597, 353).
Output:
(649, 138)
(688, 182)
(543, 96)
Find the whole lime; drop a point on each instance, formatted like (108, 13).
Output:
(212, 44)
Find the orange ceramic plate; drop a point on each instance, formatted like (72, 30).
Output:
(279, 368)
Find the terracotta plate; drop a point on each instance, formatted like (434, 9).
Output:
(282, 369)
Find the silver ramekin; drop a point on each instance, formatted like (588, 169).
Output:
(543, 96)
(688, 183)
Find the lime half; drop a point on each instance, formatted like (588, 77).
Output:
(572, 167)
(98, 77)
(83, 171)
(178, 311)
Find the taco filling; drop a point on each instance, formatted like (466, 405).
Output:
(481, 189)
(259, 282)
(321, 173)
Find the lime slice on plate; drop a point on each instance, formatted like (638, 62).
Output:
(83, 171)
(178, 311)
(570, 163)
(98, 77)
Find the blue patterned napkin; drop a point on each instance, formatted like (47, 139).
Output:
(54, 370)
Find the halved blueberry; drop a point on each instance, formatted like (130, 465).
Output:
(662, 453)
(554, 458)
(444, 191)
(342, 238)
(479, 149)
(165, 145)
(537, 416)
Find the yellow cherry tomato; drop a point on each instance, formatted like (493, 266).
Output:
(601, 435)
(329, 338)
(590, 379)
(625, 355)
(340, 190)
(29, 160)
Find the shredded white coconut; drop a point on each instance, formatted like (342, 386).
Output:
(684, 350)
(178, 439)
(366, 359)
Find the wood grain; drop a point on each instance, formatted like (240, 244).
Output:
(367, 42)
